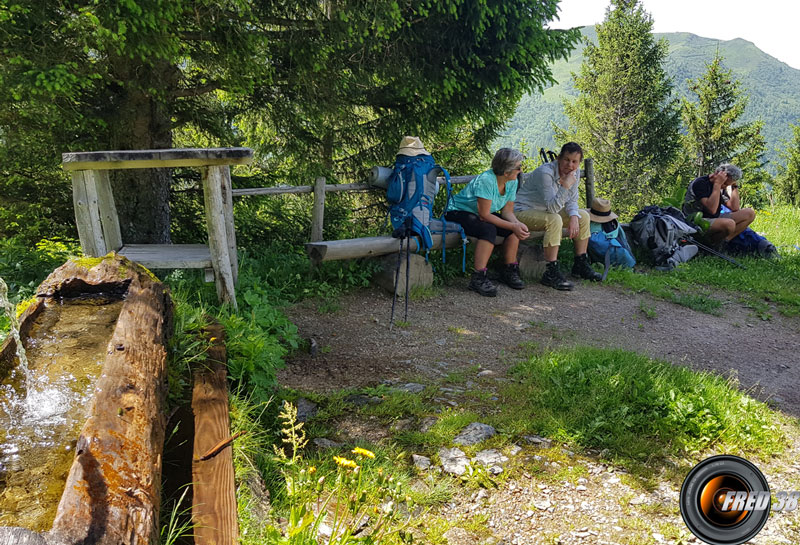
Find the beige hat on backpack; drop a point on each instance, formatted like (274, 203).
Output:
(600, 212)
(412, 145)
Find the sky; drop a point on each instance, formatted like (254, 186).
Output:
(772, 25)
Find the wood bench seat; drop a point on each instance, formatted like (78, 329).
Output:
(352, 248)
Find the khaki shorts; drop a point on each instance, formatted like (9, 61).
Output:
(551, 224)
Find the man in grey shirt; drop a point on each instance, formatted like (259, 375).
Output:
(547, 200)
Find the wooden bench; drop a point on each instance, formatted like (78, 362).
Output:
(332, 250)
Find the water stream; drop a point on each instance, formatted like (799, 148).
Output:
(11, 311)
(42, 410)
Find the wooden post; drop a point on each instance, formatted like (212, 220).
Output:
(87, 215)
(107, 209)
(318, 212)
(217, 235)
(230, 229)
(213, 488)
(589, 170)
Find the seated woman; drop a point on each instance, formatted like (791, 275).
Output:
(549, 199)
(485, 209)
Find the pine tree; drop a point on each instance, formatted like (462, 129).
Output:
(714, 134)
(625, 116)
(332, 85)
(788, 179)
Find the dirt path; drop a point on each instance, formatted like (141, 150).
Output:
(458, 329)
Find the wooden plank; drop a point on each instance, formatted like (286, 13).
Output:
(369, 246)
(168, 256)
(112, 494)
(107, 209)
(230, 229)
(87, 216)
(318, 210)
(156, 158)
(213, 488)
(282, 190)
(217, 237)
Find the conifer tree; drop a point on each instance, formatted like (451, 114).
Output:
(788, 179)
(714, 134)
(625, 116)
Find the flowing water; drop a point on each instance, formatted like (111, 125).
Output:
(42, 411)
(11, 311)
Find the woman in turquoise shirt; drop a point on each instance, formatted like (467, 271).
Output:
(485, 209)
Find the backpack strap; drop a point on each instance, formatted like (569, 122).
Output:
(606, 263)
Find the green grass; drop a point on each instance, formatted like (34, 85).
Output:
(639, 409)
(706, 282)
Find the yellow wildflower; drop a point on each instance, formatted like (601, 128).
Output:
(363, 452)
(344, 462)
(312, 470)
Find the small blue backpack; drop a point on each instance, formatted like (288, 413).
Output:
(411, 191)
(608, 245)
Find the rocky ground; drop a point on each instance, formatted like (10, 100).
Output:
(555, 496)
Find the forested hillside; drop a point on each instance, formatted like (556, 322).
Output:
(771, 85)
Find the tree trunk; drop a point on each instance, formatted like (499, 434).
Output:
(141, 120)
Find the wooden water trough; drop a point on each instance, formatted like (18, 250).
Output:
(112, 494)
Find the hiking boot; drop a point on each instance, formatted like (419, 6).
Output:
(480, 282)
(509, 275)
(582, 269)
(554, 278)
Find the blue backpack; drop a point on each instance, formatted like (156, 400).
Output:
(608, 245)
(750, 242)
(411, 191)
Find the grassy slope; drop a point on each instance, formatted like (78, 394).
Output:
(770, 83)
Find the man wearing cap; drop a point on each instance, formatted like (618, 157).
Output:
(546, 201)
(707, 194)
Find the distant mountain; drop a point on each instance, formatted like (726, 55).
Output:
(773, 87)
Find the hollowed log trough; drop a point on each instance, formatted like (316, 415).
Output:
(112, 494)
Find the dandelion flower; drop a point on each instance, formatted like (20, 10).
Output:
(363, 452)
(344, 462)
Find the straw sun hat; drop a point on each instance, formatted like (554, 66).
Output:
(600, 212)
(412, 145)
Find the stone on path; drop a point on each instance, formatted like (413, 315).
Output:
(321, 442)
(474, 433)
(412, 387)
(454, 461)
(421, 462)
(306, 409)
(490, 457)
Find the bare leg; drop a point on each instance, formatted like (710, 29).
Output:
(551, 253)
(483, 250)
(743, 219)
(510, 247)
(581, 245)
(721, 229)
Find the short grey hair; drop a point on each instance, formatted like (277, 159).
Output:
(731, 170)
(505, 160)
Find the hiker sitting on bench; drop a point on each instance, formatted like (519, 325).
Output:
(707, 194)
(547, 199)
(485, 209)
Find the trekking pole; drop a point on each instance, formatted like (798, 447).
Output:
(396, 279)
(714, 252)
(408, 262)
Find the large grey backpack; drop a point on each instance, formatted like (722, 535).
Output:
(662, 233)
